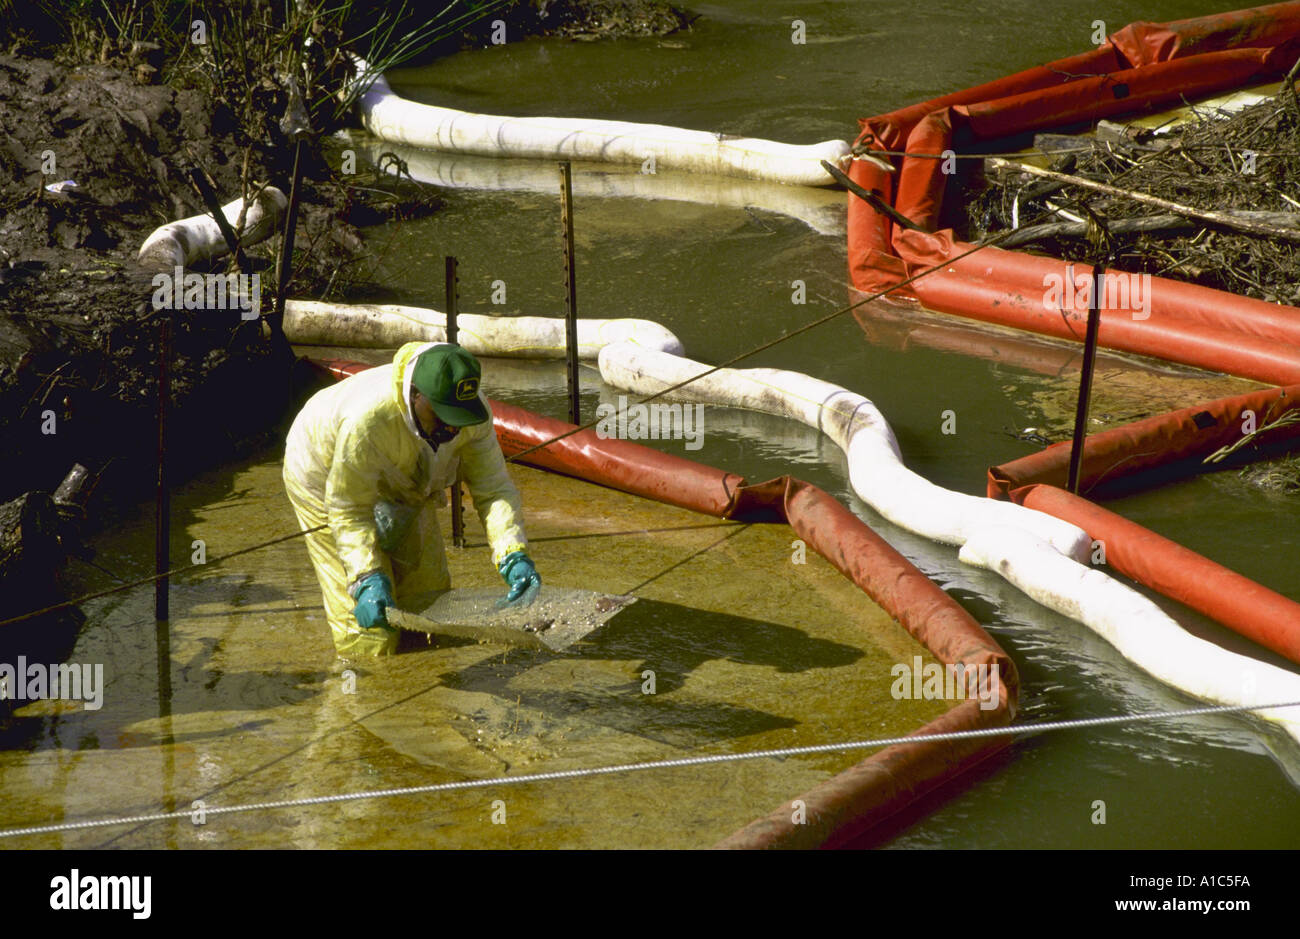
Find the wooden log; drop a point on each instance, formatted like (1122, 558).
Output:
(1222, 219)
(37, 531)
(873, 200)
(1173, 224)
(1005, 176)
(28, 531)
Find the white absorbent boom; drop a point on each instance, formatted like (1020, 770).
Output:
(393, 118)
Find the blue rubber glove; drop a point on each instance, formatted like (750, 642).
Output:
(525, 583)
(375, 593)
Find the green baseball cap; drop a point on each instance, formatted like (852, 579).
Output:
(449, 376)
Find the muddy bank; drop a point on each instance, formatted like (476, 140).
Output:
(96, 154)
(582, 20)
(78, 332)
(78, 335)
(598, 19)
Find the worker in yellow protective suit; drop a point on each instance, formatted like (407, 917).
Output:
(370, 458)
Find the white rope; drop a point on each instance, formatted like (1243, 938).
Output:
(637, 767)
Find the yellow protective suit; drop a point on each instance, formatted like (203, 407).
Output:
(356, 444)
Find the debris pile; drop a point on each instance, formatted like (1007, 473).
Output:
(1244, 166)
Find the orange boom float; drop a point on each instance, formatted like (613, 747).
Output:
(1143, 67)
(848, 809)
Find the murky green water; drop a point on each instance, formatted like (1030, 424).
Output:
(721, 279)
(256, 706)
(730, 648)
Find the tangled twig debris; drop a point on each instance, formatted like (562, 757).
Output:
(1244, 165)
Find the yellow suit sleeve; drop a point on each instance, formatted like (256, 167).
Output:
(350, 495)
(495, 497)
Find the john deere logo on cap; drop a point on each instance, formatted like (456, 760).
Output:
(466, 389)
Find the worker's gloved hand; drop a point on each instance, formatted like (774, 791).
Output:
(373, 597)
(524, 581)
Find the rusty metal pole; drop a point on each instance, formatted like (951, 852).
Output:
(296, 125)
(284, 265)
(1085, 379)
(453, 335)
(162, 496)
(209, 196)
(453, 301)
(570, 292)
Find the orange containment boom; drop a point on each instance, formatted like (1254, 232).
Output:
(847, 809)
(843, 810)
(1179, 573)
(618, 464)
(1170, 444)
(1143, 67)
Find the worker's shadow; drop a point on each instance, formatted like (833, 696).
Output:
(671, 641)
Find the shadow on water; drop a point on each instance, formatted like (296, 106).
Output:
(138, 695)
(122, 629)
(47, 640)
(672, 641)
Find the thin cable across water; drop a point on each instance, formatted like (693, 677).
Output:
(1013, 730)
(760, 348)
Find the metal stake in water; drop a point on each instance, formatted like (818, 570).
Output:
(297, 127)
(162, 495)
(1085, 379)
(453, 334)
(570, 292)
(162, 529)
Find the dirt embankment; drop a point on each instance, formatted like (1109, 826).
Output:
(77, 331)
(78, 358)
(93, 157)
(596, 19)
